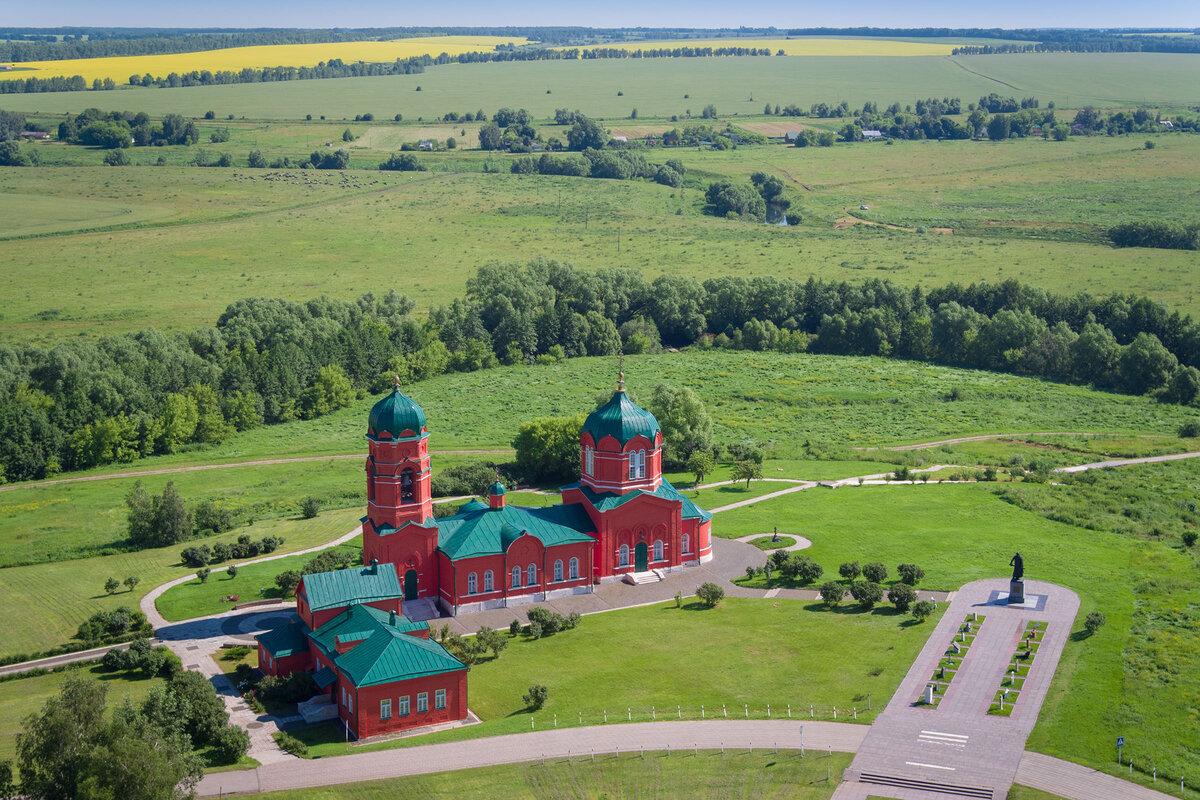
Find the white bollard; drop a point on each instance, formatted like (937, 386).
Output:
(747, 711)
(531, 723)
(606, 716)
(701, 711)
(556, 720)
(629, 711)
(768, 710)
(789, 710)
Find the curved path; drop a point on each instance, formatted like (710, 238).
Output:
(800, 544)
(1128, 462)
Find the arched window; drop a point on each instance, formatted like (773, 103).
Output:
(686, 543)
(370, 480)
(574, 573)
(487, 581)
(589, 460)
(658, 550)
(632, 465)
(516, 578)
(641, 463)
(472, 583)
(558, 573)
(531, 575)
(407, 486)
(623, 556)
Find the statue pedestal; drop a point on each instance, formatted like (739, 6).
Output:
(1016, 591)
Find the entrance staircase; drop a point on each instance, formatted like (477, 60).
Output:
(639, 578)
(318, 709)
(421, 609)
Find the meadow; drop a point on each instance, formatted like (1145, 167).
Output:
(119, 69)
(1027, 209)
(664, 86)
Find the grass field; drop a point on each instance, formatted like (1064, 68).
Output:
(633, 661)
(709, 775)
(238, 58)
(656, 87)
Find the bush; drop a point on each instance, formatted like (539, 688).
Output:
(535, 698)
(801, 568)
(1190, 429)
(710, 594)
(875, 572)
(203, 574)
(910, 573)
(832, 593)
(402, 162)
(116, 158)
(290, 744)
(1093, 622)
(463, 479)
(111, 585)
(866, 593)
(923, 610)
(233, 570)
(310, 507)
(514, 627)
(207, 516)
(850, 570)
(196, 556)
(287, 582)
(902, 596)
(1189, 538)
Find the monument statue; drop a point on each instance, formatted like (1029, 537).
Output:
(1018, 565)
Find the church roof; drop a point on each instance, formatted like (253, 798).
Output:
(386, 652)
(397, 415)
(341, 587)
(286, 640)
(489, 531)
(606, 501)
(622, 419)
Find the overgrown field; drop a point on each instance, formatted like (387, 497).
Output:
(710, 775)
(657, 86)
(194, 240)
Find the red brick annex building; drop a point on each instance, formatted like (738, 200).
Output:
(377, 670)
(622, 517)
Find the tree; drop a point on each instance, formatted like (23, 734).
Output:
(910, 574)
(1093, 622)
(535, 698)
(1146, 365)
(850, 570)
(11, 155)
(232, 571)
(902, 596)
(514, 627)
(131, 582)
(491, 640)
(999, 127)
(832, 593)
(116, 158)
(490, 136)
(709, 111)
(287, 582)
(310, 507)
(710, 594)
(586, 134)
(700, 463)
(875, 572)
(685, 423)
(203, 574)
(53, 749)
(548, 448)
(347, 135)
(923, 610)
(111, 585)
(256, 160)
(330, 391)
(866, 593)
(725, 198)
(746, 470)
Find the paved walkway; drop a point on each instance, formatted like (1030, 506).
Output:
(958, 743)
(800, 544)
(683, 737)
(1128, 462)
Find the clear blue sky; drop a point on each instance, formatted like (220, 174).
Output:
(608, 13)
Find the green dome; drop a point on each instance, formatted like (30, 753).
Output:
(394, 415)
(497, 489)
(621, 419)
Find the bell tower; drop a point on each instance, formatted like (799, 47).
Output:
(399, 528)
(620, 446)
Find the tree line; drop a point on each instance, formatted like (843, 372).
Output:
(80, 403)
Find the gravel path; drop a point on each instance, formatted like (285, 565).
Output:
(1128, 462)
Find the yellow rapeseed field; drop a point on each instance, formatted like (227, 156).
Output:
(810, 46)
(236, 58)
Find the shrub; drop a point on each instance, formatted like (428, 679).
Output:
(832, 593)
(875, 572)
(1189, 538)
(866, 593)
(1093, 622)
(850, 570)
(116, 158)
(287, 582)
(803, 568)
(1190, 429)
(910, 573)
(902, 596)
(710, 594)
(535, 698)
(233, 570)
(310, 507)
(290, 744)
(923, 610)
(402, 162)
(514, 627)
(197, 556)
(111, 585)
(203, 574)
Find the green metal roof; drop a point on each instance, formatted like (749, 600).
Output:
(395, 414)
(323, 677)
(474, 504)
(325, 590)
(497, 489)
(621, 419)
(606, 501)
(386, 652)
(286, 640)
(385, 529)
(490, 531)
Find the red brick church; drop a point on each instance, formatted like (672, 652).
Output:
(622, 517)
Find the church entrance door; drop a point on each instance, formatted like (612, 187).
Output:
(410, 585)
(640, 563)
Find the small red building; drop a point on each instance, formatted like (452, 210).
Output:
(375, 669)
(622, 517)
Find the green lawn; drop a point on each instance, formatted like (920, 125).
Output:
(710, 775)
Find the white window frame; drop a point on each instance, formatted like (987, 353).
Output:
(489, 583)
(659, 550)
(574, 569)
(558, 570)
(686, 542)
(422, 702)
(472, 583)
(385, 708)
(531, 575)
(402, 706)
(439, 699)
(641, 464)
(589, 460)
(516, 578)
(623, 556)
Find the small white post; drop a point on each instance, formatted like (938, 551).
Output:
(531, 723)
(606, 716)
(701, 711)
(856, 713)
(810, 710)
(768, 710)
(629, 711)
(789, 710)
(556, 719)
(679, 711)
(580, 717)
(747, 711)
(725, 711)
(835, 712)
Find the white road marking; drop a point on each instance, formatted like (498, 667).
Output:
(950, 735)
(930, 766)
